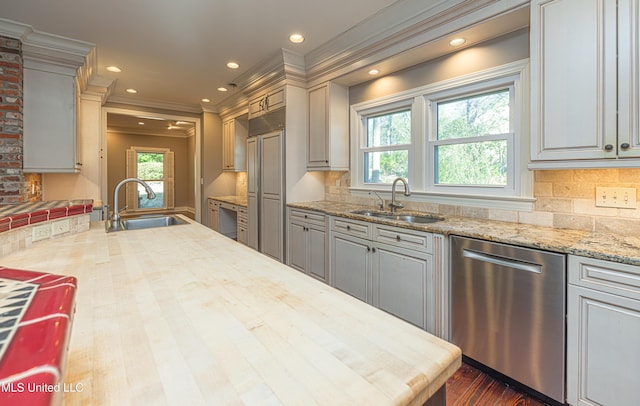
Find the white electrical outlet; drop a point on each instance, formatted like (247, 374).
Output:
(60, 227)
(621, 197)
(41, 232)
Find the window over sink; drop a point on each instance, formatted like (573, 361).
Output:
(462, 138)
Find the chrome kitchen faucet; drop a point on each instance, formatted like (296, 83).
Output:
(407, 192)
(115, 218)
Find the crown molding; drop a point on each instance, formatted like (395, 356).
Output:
(89, 81)
(128, 130)
(41, 47)
(285, 66)
(417, 25)
(69, 56)
(147, 103)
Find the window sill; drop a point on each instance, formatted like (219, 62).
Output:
(489, 202)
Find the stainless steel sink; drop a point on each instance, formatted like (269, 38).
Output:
(145, 221)
(410, 218)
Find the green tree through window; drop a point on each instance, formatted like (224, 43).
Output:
(151, 170)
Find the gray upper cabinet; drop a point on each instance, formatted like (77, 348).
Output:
(50, 120)
(51, 98)
(328, 146)
(234, 141)
(584, 83)
(266, 102)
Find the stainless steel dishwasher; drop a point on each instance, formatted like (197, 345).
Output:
(508, 311)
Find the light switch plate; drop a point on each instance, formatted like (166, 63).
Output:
(621, 197)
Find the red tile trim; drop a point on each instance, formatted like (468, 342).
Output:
(36, 356)
(14, 216)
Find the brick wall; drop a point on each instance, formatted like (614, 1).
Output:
(13, 186)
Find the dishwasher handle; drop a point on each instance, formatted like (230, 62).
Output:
(497, 260)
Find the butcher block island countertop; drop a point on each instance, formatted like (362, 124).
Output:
(184, 315)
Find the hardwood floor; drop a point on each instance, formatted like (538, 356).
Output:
(470, 386)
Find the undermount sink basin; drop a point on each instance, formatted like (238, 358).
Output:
(146, 221)
(410, 218)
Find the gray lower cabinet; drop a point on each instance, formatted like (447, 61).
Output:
(389, 267)
(351, 266)
(603, 328)
(214, 219)
(401, 281)
(242, 225)
(307, 247)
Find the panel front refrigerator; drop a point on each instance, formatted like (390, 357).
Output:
(265, 197)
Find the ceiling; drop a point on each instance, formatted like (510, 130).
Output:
(176, 52)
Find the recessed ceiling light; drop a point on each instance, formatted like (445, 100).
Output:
(296, 38)
(457, 42)
(114, 69)
(180, 122)
(232, 65)
(140, 122)
(222, 89)
(205, 100)
(374, 72)
(132, 91)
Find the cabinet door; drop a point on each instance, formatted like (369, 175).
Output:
(298, 246)
(214, 222)
(256, 106)
(243, 234)
(227, 145)
(252, 221)
(316, 249)
(318, 152)
(351, 258)
(402, 285)
(49, 122)
(274, 100)
(628, 78)
(603, 355)
(271, 228)
(573, 79)
(252, 166)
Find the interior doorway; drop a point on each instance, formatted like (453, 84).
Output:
(131, 135)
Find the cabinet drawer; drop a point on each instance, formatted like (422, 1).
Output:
(605, 276)
(242, 219)
(242, 210)
(403, 238)
(213, 204)
(352, 227)
(308, 217)
(228, 206)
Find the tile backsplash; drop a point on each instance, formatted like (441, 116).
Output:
(564, 199)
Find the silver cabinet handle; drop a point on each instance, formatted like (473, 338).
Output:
(494, 259)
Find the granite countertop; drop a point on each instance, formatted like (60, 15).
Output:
(237, 200)
(184, 315)
(610, 247)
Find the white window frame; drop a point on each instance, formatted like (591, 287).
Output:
(359, 126)
(512, 186)
(519, 196)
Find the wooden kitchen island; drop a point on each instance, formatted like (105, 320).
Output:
(184, 315)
